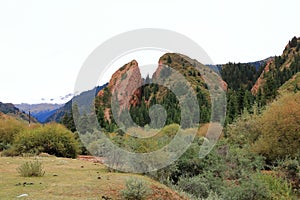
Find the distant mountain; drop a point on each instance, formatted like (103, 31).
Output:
(10, 109)
(40, 111)
(58, 114)
(258, 64)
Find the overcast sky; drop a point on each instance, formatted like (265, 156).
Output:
(43, 43)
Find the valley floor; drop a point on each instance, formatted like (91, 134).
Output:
(70, 179)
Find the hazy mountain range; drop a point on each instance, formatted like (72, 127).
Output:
(40, 111)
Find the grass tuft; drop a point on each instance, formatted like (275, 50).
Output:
(31, 169)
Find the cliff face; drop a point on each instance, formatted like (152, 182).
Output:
(124, 87)
(260, 79)
(158, 70)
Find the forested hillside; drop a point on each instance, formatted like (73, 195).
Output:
(277, 72)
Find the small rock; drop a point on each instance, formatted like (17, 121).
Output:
(44, 155)
(62, 162)
(106, 198)
(22, 195)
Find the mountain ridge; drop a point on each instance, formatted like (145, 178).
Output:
(281, 67)
(11, 110)
(40, 111)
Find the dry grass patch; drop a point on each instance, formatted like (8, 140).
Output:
(68, 179)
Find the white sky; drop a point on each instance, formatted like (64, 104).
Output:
(44, 43)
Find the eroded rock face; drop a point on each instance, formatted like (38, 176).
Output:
(290, 52)
(125, 85)
(260, 79)
(223, 84)
(158, 70)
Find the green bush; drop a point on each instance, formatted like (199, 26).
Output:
(290, 168)
(247, 189)
(135, 190)
(190, 164)
(197, 186)
(53, 139)
(4, 146)
(10, 152)
(241, 162)
(201, 186)
(10, 127)
(31, 169)
(212, 196)
(280, 129)
(277, 187)
(259, 186)
(244, 131)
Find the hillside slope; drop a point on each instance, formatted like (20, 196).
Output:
(278, 70)
(291, 86)
(10, 109)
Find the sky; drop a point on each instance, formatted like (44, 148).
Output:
(43, 44)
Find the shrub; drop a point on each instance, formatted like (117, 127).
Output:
(4, 146)
(291, 167)
(277, 187)
(259, 186)
(280, 129)
(10, 127)
(197, 186)
(53, 139)
(135, 190)
(190, 164)
(12, 151)
(241, 162)
(213, 196)
(293, 43)
(31, 169)
(247, 189)
(124, 76)
(244, 131)
(291, 170)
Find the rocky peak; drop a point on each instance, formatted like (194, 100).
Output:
(124, 85)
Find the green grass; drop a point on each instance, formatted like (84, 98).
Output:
(69, 179)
